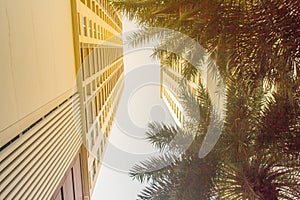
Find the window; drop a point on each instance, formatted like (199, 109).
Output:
(99, 101)
(92, 138)
(101, 59)
(102, 146)
(94, 85)
(101, 14)
(93, 172)
(98, 155)
(79, 22)
(86, 122)
(93, 6)
(97, 129)
(90, 31)
(90, 114)
(96, 108)
(96, 60)
(88, 90)
(81, 62)
(83, 22)
(101, 33)
(86, 63)
(91, 62)
(106, 132)
(95, 30)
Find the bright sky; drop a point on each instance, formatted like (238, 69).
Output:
(139, 105)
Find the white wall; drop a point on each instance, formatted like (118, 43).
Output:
(36, 60)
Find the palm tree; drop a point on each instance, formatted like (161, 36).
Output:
(254, 39)
(178, 173)
(172, 176)
(255, 44)
(241, 166)
(259, 164)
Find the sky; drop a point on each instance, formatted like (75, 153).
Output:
(139, 105)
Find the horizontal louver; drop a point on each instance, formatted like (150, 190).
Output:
(32, 167)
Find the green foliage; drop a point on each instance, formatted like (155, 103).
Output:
(254, 43)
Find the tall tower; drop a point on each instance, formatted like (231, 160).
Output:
(60, 85)
(100, 76)
(171, 75)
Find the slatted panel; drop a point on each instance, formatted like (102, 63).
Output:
(32, 167)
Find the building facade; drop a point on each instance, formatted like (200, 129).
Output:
(171, 77)
(61, 79)
(101, 76)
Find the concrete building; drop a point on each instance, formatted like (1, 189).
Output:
(60, 85)
(171, 75)
(101, 76)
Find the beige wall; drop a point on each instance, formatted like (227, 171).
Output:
(36, 60)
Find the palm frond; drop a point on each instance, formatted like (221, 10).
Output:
(157, 191)
(155, 169)
(168, 137)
